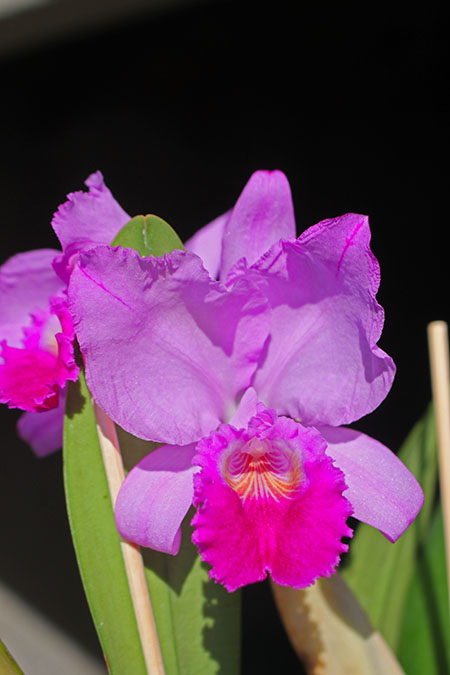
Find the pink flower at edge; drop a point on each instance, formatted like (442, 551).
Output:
(32, 375)
(36, 331)
(289, 331)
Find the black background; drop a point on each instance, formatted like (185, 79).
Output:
(178, 109)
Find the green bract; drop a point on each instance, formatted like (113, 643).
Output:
(148, 235)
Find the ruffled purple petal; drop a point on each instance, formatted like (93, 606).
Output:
(43, 431)
(85, 220)
(207, 244)
(155, 497)
(323, 364)
(167, 349)
(263, 215)
(27, 281)
(382, 491)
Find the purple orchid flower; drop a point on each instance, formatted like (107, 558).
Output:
(36, 330)
(247, 381)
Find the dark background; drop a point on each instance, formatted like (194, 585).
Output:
(178, 108)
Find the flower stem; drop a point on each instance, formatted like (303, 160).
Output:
(134, 565)
(440, 381)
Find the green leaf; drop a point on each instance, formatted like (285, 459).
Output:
(379, 572)
(7, 664)
(148, 235)
(198, 622)
(424, 646)
(95, 537)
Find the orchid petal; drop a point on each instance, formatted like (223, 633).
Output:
(85, 220)
(172, 348)
(27, 281)
(207, 244)
(155, 497)
(323, 364)
(43, 431)
(263, 215)
(382, 491)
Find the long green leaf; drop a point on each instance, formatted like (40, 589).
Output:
(95, 537)
(198, 622)
(424, 645)
(379, 573)
(7, 664)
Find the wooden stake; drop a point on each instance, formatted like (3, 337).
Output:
(440, 381)
(134, 565)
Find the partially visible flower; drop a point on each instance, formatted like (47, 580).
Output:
(36, 332)
(33, 373)
(248, 381)
(33, 362)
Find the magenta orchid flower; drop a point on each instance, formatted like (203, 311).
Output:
(36, 357)
(247, 381)
(36, 331)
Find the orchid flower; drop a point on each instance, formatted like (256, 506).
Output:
(36, 331)
(36, 347)
(245, 361)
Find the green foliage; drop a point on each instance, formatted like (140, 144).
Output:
(379, 572)
(198, 622)
(403, 586)
(7, 664)
(424, 645)
(95, 537)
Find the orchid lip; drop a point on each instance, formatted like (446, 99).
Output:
(261, 470)
(268, 500)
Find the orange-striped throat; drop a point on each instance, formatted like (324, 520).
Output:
(263, 470)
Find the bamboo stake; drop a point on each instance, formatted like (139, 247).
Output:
(134, 565)
(440, 381)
